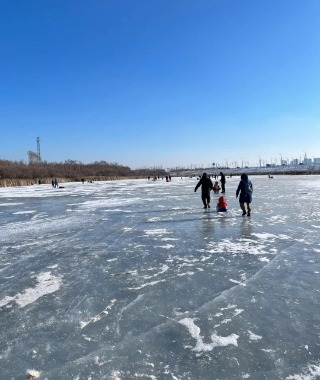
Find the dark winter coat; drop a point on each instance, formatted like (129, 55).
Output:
(244, 197)
(206, 185)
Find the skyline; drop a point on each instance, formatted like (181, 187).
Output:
(262, 162)
(162, 83)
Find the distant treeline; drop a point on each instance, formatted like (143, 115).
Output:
(73, 170)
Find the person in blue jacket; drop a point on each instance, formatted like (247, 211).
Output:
(245, 189)
(206, 185)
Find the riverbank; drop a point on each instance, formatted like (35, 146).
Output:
(8, 182)
(278, 170)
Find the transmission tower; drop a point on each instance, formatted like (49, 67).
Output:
(38, 149)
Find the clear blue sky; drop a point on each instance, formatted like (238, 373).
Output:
(160, 82)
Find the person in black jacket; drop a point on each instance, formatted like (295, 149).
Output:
(223, 182)
(245, 189)
(206, 185)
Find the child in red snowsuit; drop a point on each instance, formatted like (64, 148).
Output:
(216, 188)
(222, 205)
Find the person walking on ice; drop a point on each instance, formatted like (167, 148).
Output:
(245, 189)
(206, 185)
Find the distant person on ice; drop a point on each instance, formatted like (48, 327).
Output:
(223, 182)
(245, 189)
(222, 205)
(206, 185)
(216, 187)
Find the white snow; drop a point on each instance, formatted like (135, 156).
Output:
(216, 340)
(46, 284)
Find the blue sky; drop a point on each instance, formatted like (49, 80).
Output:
(160, 82)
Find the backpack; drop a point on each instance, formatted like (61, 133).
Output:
(248, 188)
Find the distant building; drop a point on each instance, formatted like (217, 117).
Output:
(307, 161)
(295, 162)
(316, 161)
(284, 162)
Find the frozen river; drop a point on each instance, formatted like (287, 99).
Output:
(134, 280)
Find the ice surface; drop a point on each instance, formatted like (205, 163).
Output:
(133, 279)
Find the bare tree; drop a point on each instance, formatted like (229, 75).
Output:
(33, 157)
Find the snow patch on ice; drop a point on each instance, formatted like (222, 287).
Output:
(147, 284)
(144, 375)
(6, 300)
(237, 282)
(32, 374)
(253, 336)
(10, 204)
(185, 274)
(216, 340)
(96, 318)
(242, 246)
(164, 268)
(116, 375)
(264, 259)
(237, 312)
(312, 373)
(24, 212)
(47, 284)
(269, 237)
(157, 232)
